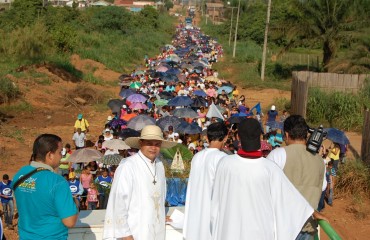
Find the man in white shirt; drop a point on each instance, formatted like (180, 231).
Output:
(177, 138)
(136, 202)
(79, 139)
(202, 174)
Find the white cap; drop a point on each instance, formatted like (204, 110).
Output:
(64, 151)
(175, 134)
(191, 145)
(273, 107)
(107, 130)
(109, 118)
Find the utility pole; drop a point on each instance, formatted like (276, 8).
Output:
(231, 22)
(265, 41)
(236, 29)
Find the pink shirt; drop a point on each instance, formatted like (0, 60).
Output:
(92, 195)
(86, 180)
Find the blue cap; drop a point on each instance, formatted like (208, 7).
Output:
(79, 116)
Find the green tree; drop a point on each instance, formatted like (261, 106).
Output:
(324, 21)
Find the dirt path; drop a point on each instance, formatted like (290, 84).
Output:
(53, 113)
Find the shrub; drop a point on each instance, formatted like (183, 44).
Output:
(353, 178)
(8, 90)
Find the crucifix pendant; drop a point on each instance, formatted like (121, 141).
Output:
(154, 181)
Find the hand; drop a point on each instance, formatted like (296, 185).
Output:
(319, 216)
(128, 238)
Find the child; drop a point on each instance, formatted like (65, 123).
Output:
(92, 197)
(330, 175)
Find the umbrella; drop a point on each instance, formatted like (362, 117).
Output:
(115, 104)
(274, 125)
(111, 159)
(139, 72)
(124, 76)
(167, 121)
(235, 119)
(115, 144)
(336, 135)
(199, 102)
(212, 79)
(170, 78)
(227, 89)
(186, 65)
(117, 122)
(135, 85)
(185, 113)
(124, 93)
(84, 155)
(161, 102)
(140, 121)
(128, 132)
(138, 105)
(165, 95)
(180, 101)
(190, 129)
(200, 93)
(162, 68)
(138, 98)
(173, 71)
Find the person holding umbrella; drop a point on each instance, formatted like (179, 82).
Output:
(137, 198)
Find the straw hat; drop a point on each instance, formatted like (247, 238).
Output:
(150, 132)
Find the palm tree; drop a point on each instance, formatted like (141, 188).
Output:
(323, 21)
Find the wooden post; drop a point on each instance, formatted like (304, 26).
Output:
(365, 146)
(299, 95)
(308, 62)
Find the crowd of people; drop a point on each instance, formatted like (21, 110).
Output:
(244, 182)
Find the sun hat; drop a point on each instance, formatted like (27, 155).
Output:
(249, 132)
(79, 116)
(273, 108)
(150, 132)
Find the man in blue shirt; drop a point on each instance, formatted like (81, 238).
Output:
(6, 197)
(45, 204)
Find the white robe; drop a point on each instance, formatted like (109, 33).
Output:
(198, 194)
(136, 205)
(253, 199)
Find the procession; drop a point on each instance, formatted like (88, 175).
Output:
(180, 140)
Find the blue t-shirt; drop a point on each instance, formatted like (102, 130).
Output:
(104, 183)
(43, 200)
(271, 116)
(272, 139)
(6, 190)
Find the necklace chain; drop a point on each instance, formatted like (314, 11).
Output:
(155, 169)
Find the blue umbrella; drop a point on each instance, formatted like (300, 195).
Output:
(200, 93)
(124, 93)
(165, 95)
(226, 88)
(170, 78)
(139, 122)
(180, 101)
(117, 122)
(173, 71)
(275, 125)
(336, 135)
(128, 132)
(192, 128)
(185, 113)
(167, 121)
(199, 102)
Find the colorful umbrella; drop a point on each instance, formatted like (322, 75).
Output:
(161, 102)
(135, 85)
(138, 105)
(136, 98)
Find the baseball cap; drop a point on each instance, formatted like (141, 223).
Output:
(249, 132)
(79, 116)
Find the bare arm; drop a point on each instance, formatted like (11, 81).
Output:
(70, 221)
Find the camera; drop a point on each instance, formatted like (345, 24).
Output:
(315, 140)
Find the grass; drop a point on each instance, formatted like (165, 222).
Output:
(90, 78)
(8, 90)
(22, 106)
(16, 134)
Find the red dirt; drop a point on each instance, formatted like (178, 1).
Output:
(52, 113)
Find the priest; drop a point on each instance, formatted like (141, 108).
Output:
(136, 203)
(252, 198)
(201, 179)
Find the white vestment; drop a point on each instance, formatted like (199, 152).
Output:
(253, 199)
(198, 194)
(136, 205)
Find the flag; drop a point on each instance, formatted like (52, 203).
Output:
(257, 107)
(214, 112)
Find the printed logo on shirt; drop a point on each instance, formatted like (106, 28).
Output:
(7, 191)
(28, 185)
(73, 188)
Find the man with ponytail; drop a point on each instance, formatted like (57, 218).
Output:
(45, 204)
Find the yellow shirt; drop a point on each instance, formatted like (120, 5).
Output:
(71, 175)
(334, 156)
(82, 124)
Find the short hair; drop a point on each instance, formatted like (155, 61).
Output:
(68, 145)
(217, 131)
(5, 177)
(297, 127)
(43, 144)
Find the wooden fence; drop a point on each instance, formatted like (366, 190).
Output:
(365, 146)
(333, 81)
(299, 97)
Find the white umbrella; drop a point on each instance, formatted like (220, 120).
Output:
(84, 155)
(115, 144)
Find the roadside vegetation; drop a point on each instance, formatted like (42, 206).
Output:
(32, 34)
